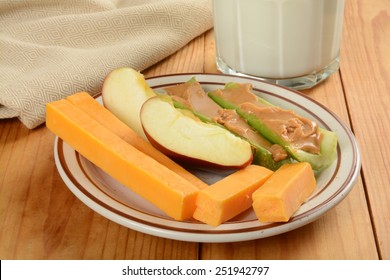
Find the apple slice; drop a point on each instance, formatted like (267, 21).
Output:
(181, 135)
(124, 91)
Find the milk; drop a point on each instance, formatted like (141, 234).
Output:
(277, 39)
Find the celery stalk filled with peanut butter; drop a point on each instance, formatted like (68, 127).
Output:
(190, 95)
(302, 138)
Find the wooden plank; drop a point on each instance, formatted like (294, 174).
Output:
(365, 70)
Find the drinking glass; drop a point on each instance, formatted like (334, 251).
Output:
(294, 43)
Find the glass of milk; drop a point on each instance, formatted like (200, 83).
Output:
(294, 43)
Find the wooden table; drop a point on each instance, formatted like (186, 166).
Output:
(41, 219)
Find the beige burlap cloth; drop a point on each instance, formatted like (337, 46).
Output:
(52, 48)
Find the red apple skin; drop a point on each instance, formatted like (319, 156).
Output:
(193, 162)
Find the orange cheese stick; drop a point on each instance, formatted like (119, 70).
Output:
(91, 107)
(137, 171)
(230, 196)
(284, 192)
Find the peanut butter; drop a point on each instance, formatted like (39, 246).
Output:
(298, 131)
(193, 96)
(238, 94)
(233, 122)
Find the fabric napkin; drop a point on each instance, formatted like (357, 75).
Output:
(50, 49)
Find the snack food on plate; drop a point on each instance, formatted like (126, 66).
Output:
(284, 192)
(138, 137)
(302, 138)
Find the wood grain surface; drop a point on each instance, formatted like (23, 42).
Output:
(41, 219)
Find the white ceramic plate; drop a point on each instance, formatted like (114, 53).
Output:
(116, 202)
